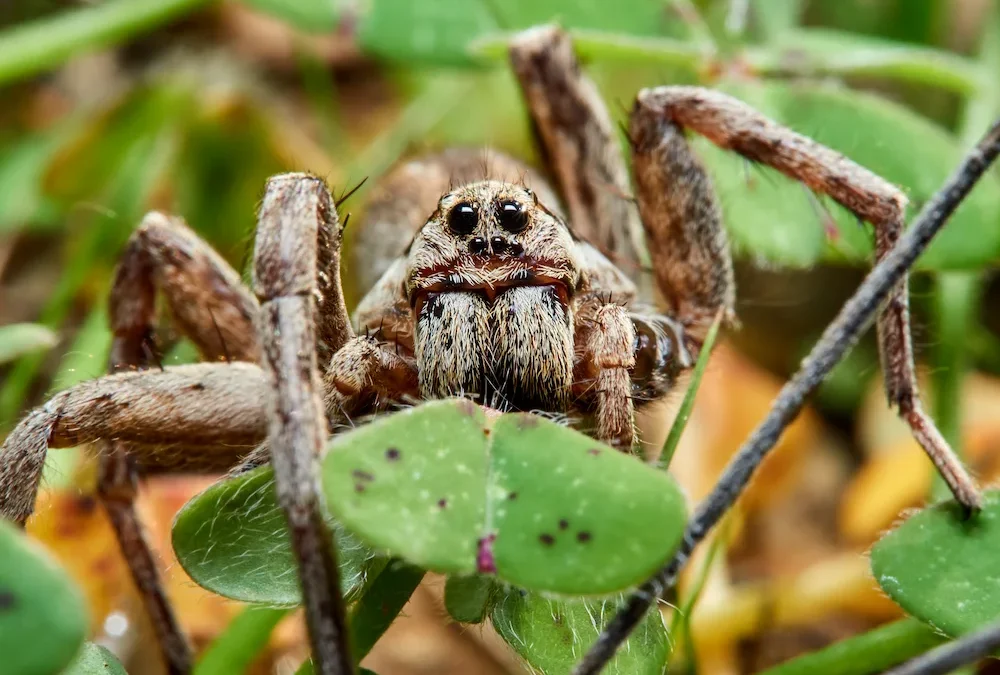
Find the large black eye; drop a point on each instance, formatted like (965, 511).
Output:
(512, 216)
(463, 218)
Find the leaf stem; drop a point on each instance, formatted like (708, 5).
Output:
(684, 414)
(955, 300)
(30, 48)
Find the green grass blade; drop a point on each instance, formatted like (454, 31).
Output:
(870, 652)
(39, 45)
(19, 339)
(820, 51)
(245, 637)
(677, 430)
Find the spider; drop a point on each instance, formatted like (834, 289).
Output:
(503, 290)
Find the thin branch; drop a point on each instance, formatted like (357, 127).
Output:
(853, 319)
(949, 656)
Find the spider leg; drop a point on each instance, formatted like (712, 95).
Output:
(216, 312)
(579, 143)
(297, 281)
(682, 218)
(604, 342)
(204, 294)
(214, 407)
(366, 374)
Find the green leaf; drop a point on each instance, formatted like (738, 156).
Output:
(43, 618)
(308, 15)
(553, 636)
(381, 603)
(94, 659)
(19, 339)
(774, 219)
(442, 31)
(468, 598)
(232, 539)
(941, 568)
(543, 506)
(239, 644)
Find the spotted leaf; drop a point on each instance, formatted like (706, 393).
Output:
(541, 506)
(553, 636)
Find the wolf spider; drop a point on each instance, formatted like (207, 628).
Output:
(501, 295)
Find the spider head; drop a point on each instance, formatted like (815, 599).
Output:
(488, 237)
(491, 278)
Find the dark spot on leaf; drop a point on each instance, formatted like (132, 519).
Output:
(358, 487)
(594, 452)
(563, 524)
(512, 496)
(546, 539)
(7, 600)
(526, 421)
(583, 537)
(392, 454)
(363, 475)
(442, 503)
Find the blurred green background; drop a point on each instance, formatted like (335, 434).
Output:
(111, 108)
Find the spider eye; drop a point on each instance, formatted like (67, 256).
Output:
(463, 218)
(512, 216)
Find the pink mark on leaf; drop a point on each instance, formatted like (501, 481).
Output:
(485, 564)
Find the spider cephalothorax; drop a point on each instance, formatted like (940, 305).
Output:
(506, 294)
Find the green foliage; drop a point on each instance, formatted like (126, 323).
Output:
(552, 636)
(232, 539)
(308, 15)
(941, 568)
(93, 659)
(43, 618)
(245, 637)
(776, 220)
(468, 599)
(378, 607)
(19, 339)
(546, 507)
(47, 42)
(867, 653)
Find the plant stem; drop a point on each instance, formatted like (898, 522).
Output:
(245, 637)
(684, 414)
(956, 298)
(30, 48)
(870, 652)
